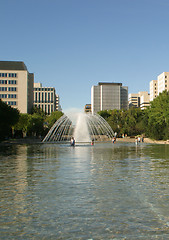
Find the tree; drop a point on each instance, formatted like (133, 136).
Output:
(158, 117)
(8, 118)
(50, 120)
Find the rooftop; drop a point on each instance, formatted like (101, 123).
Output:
(12, 65)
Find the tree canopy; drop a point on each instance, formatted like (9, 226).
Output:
(8, 118)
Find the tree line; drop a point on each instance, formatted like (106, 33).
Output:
(152, 122)
(17, 125)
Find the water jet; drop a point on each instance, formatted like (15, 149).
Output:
(84, 127)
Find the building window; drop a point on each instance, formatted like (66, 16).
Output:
(11, 81)
(11, 95)
(3, 89)
(12, 103)
(3, 95)
(3, 74)
(12, 89)
(3, 81)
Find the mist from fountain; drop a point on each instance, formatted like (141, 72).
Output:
(83, 127)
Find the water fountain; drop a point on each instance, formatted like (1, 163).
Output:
(83, 127)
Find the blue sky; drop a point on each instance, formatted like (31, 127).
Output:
(74, 44)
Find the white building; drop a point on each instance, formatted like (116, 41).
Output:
(159, 85)
(106, 96)
(153, 89)
(46, 98)
(163, 82)
(16, 85)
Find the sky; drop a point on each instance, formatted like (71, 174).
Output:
(74, 44)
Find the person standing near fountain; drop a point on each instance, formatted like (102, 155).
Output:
(72, 141)
(92, 142)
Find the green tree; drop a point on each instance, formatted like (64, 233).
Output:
(23, 123)
(8, 118)
(50, 120)
(158, 117)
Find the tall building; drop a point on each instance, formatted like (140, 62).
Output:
(153, 89)
(163, 82)
(159, 85)
(16, 85)
(140, 99)
(46, 98)
(108, 96)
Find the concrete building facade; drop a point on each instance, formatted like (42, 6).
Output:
(46, 98)
(106, 96)
(16, 85)
(163, 82)
(140, 99)
(159, 85)
(153, 89)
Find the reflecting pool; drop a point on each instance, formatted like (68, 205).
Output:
(106, 191)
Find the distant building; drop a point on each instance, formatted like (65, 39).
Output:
(141, 99)
(134, 100)
(46, 98)
(163, 82)
(159, 85)
(108, 96)
(153, 89)
(16, 85)
(87, 108)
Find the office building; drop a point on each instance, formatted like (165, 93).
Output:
(134, 100)
(140, 99)
(163, 82)
(87, 108)
(153, 89)
(46, 98)
(106, 96)
(16, 85)
(159, 85)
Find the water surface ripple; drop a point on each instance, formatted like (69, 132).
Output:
(105, 191)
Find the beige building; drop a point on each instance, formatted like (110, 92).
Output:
(153, 89)
(46, 98)
(159, 85)
(16, 85)
(134, 100)
(87, 108)
(140, 99)
(163, 82)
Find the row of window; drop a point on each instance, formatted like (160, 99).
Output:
(13, 75)
(43, 89)
(11, 103)
(10, 89)
(43, 97)
(8, 96)
(46, 101)
(8, 82)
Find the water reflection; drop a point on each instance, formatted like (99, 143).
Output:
(105, 191)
